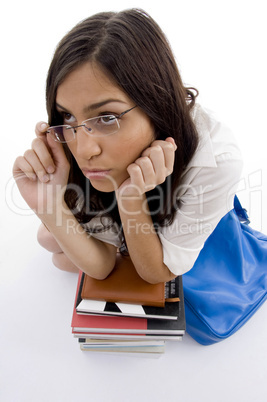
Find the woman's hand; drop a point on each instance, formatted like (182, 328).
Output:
(150, 170)
(42, 172)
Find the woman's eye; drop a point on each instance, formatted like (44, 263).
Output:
(68, 118)
(108, 119)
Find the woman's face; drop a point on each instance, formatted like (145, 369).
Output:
(85, 93)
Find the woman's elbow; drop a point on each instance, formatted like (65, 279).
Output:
(47, 240)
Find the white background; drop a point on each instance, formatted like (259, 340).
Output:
(220, 47)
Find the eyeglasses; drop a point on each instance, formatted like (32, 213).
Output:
(99, 126)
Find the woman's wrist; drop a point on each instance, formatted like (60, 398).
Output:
(131, 205)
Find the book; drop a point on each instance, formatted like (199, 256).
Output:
(124, 285)
(126, 342)
(83, 337)
(170, 310)
(125, 325)
(123, 349)
(122, 346)
(99, 324)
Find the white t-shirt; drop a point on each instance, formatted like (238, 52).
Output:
(204, 196)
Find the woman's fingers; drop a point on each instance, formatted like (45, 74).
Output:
(169, 153)
(56, 150)
(22, 168)
(152, 168)
(136, 184)
(40, 129)
(33, 161)
(46, 160)
(162, 156)
(44, 155)
(36, 162)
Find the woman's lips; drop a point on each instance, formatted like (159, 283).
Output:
(95, 173)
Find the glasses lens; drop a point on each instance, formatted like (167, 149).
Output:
(61, 133)
(102, 125)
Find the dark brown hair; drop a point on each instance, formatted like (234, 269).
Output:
(133, 51)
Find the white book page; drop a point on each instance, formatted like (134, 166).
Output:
(94, 305)
(131, 308)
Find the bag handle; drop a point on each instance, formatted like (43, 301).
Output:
(240, 211)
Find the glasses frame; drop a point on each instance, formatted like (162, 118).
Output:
(74, 128)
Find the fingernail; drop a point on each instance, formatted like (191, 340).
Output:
(50, 169)
(43, 126)
(45, 178)
(32, 176)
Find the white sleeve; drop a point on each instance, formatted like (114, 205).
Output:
(201, 205)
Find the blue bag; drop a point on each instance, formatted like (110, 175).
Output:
(228, 281)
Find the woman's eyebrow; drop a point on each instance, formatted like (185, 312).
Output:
(93, 106)
(97, 105)
(58, 106)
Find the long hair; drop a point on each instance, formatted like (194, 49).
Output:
(133, 51)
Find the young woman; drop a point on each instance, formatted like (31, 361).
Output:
(128, 159)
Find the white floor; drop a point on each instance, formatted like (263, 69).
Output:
(220, 48)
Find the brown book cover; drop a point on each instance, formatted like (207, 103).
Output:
(124, 285)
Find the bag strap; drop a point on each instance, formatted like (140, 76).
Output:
(240, 211)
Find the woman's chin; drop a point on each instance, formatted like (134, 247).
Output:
(105, 186)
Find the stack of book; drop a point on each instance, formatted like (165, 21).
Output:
(124, 313)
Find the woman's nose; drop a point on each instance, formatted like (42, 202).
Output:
(87, 146)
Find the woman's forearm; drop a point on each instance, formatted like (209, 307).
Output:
(143, 243)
